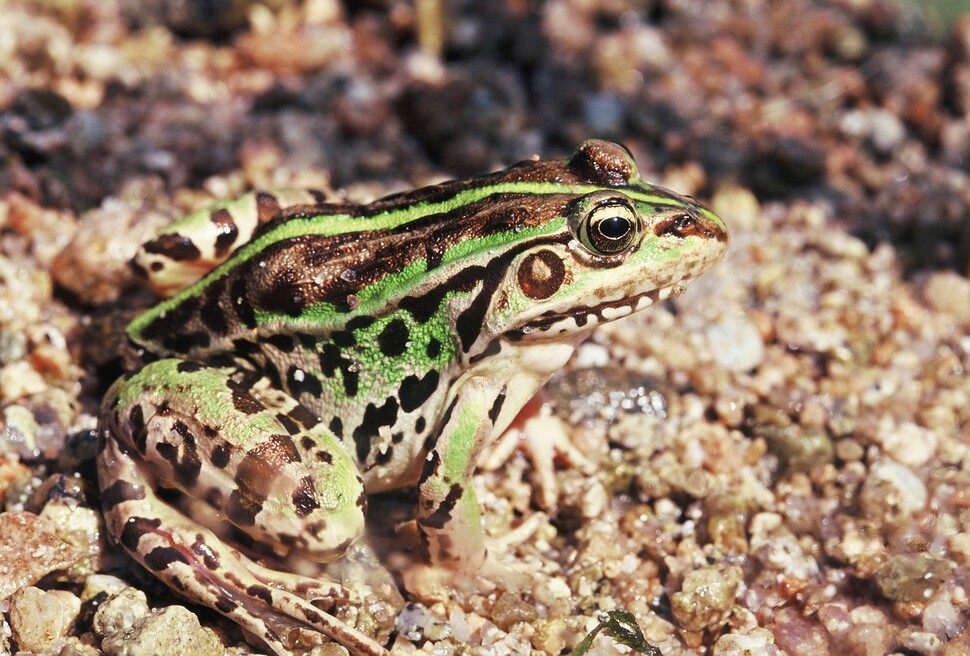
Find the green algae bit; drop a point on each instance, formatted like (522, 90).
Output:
(623, 628)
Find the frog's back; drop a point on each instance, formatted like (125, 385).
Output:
(313, 268)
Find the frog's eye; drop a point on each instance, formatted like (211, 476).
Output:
(605, 222)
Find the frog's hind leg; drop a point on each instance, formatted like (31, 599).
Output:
(186, 250)
(253, 471)
(195, 562)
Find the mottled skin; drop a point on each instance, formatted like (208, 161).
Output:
(338, 350)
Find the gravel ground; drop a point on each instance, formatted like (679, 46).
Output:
(776, 462)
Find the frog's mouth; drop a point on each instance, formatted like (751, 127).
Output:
(586, 317)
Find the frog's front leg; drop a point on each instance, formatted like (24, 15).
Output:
(255, 457)
(448, 518)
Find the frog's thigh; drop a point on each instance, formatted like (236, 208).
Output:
(250, 452)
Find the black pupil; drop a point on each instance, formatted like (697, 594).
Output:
(615, 227)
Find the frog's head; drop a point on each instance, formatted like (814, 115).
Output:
(614, 247)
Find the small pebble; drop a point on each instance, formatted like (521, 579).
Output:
(29, 550)
(912, 577)
(120, 611)
(736, 343)
(908, 443)
(169, 631)
(706, 597)
(39, 619)
(758, 642)
(892, 492)
(946, 291)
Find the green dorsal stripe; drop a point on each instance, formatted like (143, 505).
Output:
(395, 218)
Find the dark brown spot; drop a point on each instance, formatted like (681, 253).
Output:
(541, 274)
(430, 467)
(374, 417)
(214, 497)
(160, 558)
(240, 303)
(283, 293)
(332, 361)
(343, 338)
(414, 391)
(351, 383)
(139, 433)
(442, 513)
(302, 415)
(209, 558)
(312, 616)
(255, 476)
(383, 456)
(272, 374)
(242, 508)
(393, 339)
(245, 348)
(174, 246)
(227, 231)
(220, 455)
(261, 592)
(496, 408)
(135, 528)
(119, 491)
(360, 322)
(288, 424)
(267, 206)
(307, 341)
(245, 402)
(291, 541)
(299, 382)
(304, 499)
(284, 343)
(225, 605)
(183, 456)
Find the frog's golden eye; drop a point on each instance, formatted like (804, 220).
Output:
(605, 222)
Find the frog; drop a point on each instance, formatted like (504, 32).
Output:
(309, 353)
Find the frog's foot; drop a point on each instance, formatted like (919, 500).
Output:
(283, 610)
(432, 583)
(543, 436)
(438, 582)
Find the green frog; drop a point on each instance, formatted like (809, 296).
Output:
(313, 353)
